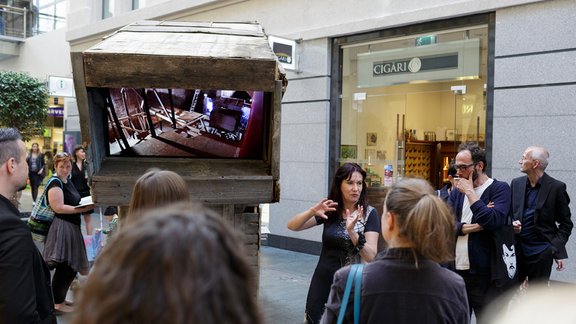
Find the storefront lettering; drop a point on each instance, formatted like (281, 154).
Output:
(56, 111)
(387, 68)
(383, 68)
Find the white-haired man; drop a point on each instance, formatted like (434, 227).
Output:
(541, 217)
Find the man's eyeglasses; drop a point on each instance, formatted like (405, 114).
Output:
(463, 167)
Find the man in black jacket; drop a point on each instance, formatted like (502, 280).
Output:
(25, 293)
(541, 217)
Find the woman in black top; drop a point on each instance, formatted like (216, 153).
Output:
(405, 283)
(64, 249)
(80, 180)
(35, 162)
(350, 235)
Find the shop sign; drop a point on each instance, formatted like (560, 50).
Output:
(444, 61)
(285, 50)
(56, 111)
(416, 64)
(61, 87)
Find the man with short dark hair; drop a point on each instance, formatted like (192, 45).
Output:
(481, 206)
(25, 293)
(541, 217)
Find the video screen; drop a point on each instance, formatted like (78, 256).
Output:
(185, 123)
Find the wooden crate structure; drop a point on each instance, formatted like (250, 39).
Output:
(146, 62)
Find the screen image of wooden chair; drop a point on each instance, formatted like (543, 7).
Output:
(134, 105)
(126, 116)
(188, 123)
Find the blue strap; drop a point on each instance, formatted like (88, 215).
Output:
(357, 292)
(353, 275)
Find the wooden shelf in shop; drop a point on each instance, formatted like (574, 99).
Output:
(424, 159)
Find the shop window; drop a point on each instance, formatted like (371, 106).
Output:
(408, 102)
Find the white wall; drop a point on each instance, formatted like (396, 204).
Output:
(535, 94)
(42, 56)
(295, 19)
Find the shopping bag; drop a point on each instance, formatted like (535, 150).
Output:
(42, 215)
(94, 244)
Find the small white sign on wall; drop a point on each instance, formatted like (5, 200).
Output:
(61, 87)
(285, 50)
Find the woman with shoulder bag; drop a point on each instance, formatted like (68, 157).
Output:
(64, 249)
(405, 283)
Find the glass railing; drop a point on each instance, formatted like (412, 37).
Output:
(13, 22)
(18, 23)
(47, 23)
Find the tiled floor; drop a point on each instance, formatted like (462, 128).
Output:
(284, 280)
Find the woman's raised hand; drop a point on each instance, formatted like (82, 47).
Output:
(352, 218)
(325, 205)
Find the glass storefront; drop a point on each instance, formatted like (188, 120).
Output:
(408, 102)
(52, 137)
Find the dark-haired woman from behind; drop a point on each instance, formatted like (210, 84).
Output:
(179, 264)
(405, 283)
(350, 234)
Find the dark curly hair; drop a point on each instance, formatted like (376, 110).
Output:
(478, 153)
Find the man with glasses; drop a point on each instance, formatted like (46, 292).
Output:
(541, 217)
(25, 293)
(481, 205)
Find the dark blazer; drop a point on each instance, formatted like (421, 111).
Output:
(551, 208)
(25, 291)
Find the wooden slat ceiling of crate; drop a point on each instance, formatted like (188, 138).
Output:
(183, 55)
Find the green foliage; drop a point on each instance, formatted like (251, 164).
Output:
(23, 103)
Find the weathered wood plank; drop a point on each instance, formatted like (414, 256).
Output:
(192, 45)
(180, 72)
(206, 169)
(183, 55)
(141, 71)
(229, 28)
(81, 95)
(107, 191)
(275, 130)
(209, 181)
